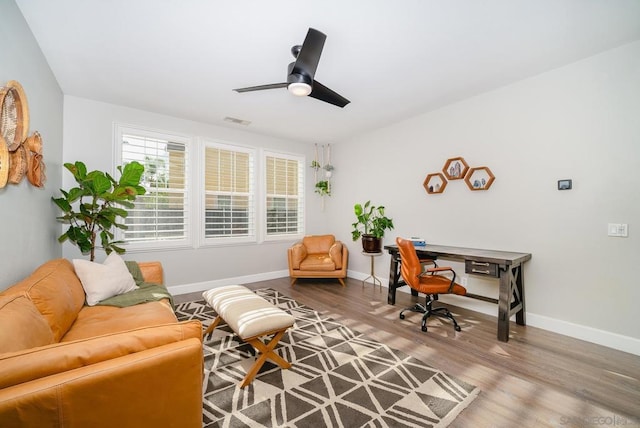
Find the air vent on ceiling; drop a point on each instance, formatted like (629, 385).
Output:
(237, 121)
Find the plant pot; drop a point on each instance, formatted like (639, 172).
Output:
(371, 244)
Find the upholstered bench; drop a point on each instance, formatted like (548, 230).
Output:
(250, 317)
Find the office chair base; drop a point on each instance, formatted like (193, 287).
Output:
(429, 311)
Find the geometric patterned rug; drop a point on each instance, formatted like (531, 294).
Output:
(338, 378)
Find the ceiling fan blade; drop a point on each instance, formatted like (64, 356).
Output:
(309, 55)
(262, 87)
(322, 93)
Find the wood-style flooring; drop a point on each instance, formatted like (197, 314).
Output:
(537, 379)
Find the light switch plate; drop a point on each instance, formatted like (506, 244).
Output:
(620, 230)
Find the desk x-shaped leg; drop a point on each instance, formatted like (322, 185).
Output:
(511, 299)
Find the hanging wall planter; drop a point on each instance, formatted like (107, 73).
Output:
(323, 184)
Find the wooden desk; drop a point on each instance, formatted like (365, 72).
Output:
(503, 265)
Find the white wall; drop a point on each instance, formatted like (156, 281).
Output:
(28, 228)
(580, 122)
(577, 122)
(88, 136)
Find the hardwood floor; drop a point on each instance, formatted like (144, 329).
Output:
(537, 379)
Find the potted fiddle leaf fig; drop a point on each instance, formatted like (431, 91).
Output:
(370, 224)
(92, 208)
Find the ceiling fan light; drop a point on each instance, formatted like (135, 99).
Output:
(299, 89)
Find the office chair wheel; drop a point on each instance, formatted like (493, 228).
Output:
(458, 328)
(401, 316)
(424, 328)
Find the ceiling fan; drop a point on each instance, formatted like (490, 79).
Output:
(300, 74)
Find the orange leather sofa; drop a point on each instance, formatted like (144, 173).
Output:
(318, 256)
(64, 364)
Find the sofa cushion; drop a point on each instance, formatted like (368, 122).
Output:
(103, 280)
(23, 327)
(56, 291)
(99, 320)
(30, 364)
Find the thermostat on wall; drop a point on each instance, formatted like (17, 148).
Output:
(564, 184)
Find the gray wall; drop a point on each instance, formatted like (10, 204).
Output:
(28, 228)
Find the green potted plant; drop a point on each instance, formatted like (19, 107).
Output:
(370, 224)
(91, 209)
(322, 188)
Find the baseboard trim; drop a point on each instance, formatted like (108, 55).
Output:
(590, 334)
(207, 285)
(577, 331)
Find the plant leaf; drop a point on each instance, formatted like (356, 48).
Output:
(100, 183)
(62, 203)
(131, 174)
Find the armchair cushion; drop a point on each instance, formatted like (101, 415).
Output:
(318, 243)
(335, 252)
(321, 262)
(298, 254)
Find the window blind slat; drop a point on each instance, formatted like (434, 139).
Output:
(284, 200)
(229, 207)
(162, 213)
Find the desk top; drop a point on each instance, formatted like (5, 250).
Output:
(460, 253)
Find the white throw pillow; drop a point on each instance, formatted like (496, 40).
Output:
(101, 281)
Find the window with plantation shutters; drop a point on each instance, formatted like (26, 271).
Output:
(161, 215)
(284, 198)
(229, 200)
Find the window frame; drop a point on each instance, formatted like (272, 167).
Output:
(187, 241)
(301, 159)
(252, 238)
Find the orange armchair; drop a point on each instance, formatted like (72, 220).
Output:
(430, 281)
(318, 256)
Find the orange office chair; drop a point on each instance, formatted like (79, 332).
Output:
(429, 281)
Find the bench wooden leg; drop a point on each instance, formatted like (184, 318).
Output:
(213, 325)
(266, 352)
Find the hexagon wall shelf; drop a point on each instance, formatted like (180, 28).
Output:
(435, 183)
(455, 168)
(479, 178)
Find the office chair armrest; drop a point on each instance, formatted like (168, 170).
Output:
(442, 269)
(425, 262)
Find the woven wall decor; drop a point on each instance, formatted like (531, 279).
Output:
(20, 154)
(17, 165)
(4, 164)
(35, 163)
(14, 115)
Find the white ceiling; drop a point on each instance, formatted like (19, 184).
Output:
(392, 58)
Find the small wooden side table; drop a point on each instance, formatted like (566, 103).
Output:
(372, 274)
